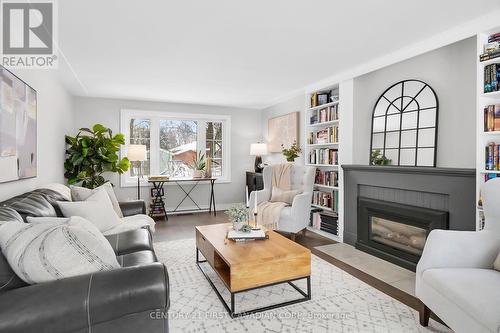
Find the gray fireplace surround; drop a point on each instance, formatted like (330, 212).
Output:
(445, 189)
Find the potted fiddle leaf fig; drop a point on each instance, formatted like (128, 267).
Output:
(91, 153)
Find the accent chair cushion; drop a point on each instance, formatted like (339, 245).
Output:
(279, 195)
(47, 251)
(97, 208)
(496, 264)
(81, 194)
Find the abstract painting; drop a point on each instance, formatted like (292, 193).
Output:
(282, 130)
(18, 146)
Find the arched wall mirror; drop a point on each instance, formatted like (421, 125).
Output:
(404, 125)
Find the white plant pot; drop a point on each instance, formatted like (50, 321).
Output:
(238, 225)
(198, 173)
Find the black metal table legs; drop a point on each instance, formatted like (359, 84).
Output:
(306, 295)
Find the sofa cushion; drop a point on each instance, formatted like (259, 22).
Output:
(137, 258)
(31, 204)
(42, 252)
(131, 241)
(8, 279)
(97, 208)
(81, 193)
(133, 222)
(475, 291)
(496, 264)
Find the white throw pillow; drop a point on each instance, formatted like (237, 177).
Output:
(42, 252)
(97, 208)
(279, 195)
(496, 264)
(81, 194)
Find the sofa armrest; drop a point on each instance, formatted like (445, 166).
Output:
(133, 207)
(464, 249)
(80, 302)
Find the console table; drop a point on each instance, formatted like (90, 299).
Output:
(157, 194)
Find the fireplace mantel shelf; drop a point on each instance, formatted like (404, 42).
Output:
(409, 169)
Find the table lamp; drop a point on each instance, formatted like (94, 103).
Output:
(257, 150)
(139, 154)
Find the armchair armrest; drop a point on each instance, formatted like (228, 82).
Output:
(262, 196)
(133, 207)
(464, 249)
(79, 302)
(301, 206)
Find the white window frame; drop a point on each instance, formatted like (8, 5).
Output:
(155, 116)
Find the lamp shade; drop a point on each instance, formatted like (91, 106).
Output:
(258, 149)
(137, 153)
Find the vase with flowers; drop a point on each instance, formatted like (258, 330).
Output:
(291, 153)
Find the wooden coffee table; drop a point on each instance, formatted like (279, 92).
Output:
(243, 266)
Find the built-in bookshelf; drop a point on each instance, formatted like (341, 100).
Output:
(488, 115)
(322, 120)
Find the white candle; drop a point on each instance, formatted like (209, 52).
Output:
(255, 206)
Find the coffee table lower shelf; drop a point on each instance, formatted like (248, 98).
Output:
(230, 308)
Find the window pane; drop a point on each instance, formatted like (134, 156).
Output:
(177, 147)
(214, 147)
(140, 134)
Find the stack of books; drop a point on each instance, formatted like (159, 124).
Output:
(492, 118)
(491, 157)
(491, 78)
(328, 178)
(492, 48)
(159, 178)
(326, 222)
(324, 156)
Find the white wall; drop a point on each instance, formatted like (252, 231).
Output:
(245, 129)
(294, 104)
(451, 72)
(54, 120)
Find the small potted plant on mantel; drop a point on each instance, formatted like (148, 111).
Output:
(198, 165)
(291, 153)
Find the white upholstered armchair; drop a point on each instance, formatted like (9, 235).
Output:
(455, 276)
(296, 217)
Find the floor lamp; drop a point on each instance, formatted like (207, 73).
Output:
(138, 153)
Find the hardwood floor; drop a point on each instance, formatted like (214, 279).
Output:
(182, 227)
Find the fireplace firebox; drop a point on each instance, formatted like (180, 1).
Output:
(396, 232)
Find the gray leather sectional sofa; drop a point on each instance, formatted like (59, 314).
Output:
(134, 298)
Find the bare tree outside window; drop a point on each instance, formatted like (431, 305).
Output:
(140, 134)
(214, 146)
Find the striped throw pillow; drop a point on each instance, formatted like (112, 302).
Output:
(42, 252)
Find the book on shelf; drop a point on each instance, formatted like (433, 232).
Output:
(491, 77)
(325, 199)
(326, 135)
(327, 178)
(324, 115)
(325, 222)
(492, 118)
(323, 97)
(489, 176)
(323, 156)
(492, 157)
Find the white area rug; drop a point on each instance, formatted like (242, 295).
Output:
(340, 302)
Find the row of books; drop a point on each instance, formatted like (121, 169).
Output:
(326, 135)
(491, 78)
(326, 199)
(491, 157)
(492, 48)
(489, 176)
(325, 222)
(323, 115)
(324, 156)
(328, 178)
(323, 97)
(492, 118)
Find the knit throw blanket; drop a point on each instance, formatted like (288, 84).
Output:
(269, 212)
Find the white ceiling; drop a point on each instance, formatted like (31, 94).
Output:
(240, 53)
